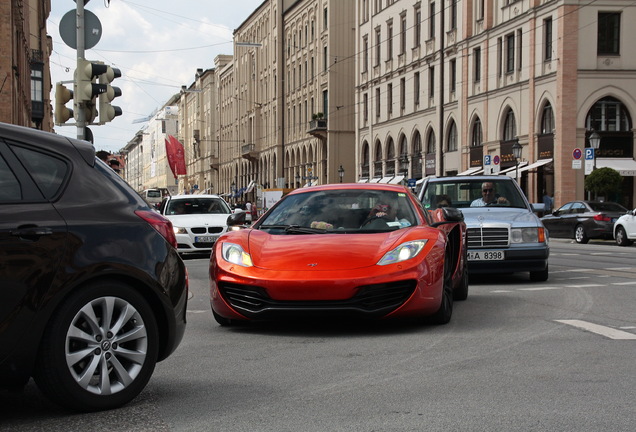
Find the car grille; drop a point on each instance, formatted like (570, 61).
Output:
(203, 230)
(371, 300)
(487, 237)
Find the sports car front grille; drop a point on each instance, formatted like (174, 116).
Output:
(487, 237)
(377, 299)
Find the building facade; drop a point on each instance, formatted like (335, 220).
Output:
(25, 83)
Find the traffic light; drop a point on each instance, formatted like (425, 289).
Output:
(62, 96)
(86, 90)
(108, 112)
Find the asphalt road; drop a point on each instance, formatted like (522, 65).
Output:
(517, 356)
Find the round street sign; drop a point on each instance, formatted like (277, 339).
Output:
(496, 160)
(577, 153)
(92, 29)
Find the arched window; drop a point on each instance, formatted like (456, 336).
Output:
(430, 142)
(377, 163)
(510, 126)
(390, 158)
(477, 138)
(608, 115)
(452, 137)
(364, 172)
(416, 157)
(547, 119)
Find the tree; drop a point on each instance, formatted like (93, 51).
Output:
(604, 182)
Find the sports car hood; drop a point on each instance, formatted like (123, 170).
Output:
(194, 220)
(515, 217)
(299, 252)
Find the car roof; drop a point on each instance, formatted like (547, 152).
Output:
(189, 196)
(472, 177)
(352, 186)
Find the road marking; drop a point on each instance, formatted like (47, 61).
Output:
(608, 332)
(580, 277)
(585, 286)
(539, 288)
(624, 283)
(601, 253)
(197, 311)
(620, 268)
(501, 291)
(628, 327)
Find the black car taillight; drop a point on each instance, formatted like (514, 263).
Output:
(160, 223)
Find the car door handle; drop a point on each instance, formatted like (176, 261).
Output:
(32, 232)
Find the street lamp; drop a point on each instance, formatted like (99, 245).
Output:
(404, 164)
(516, 151)
(595, 143)
(341, 173)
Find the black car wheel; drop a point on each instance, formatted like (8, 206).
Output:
(443, 315)
(621, 237)
(100, 348)
(579, 235)
(461, 292)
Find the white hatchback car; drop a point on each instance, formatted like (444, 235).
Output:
(625, 229)
(198, 220)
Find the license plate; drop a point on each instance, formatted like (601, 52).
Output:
(486, 256)
(205, 239)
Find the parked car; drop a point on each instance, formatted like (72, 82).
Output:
(92, 290)
(584, 220)
(625, 229)
(198, 220)
(345, 249)
(504, 233)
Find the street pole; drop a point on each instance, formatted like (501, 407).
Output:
(81, 113)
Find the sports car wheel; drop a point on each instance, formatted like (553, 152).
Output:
(100, 348)
(621, 237)
(461, 292)
(579, 235)
(443, 315)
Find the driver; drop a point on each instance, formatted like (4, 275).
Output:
(488, 196)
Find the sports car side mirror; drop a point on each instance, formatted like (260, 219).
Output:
(451, 215)
(236, 219)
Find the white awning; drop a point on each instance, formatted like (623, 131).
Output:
(513, 169)
(375, 180)
(250, 186)
(385, 179)
(396, 179)
(534, 165)
(479, 171)
(625, 166)
(365, 180)
(469, 171)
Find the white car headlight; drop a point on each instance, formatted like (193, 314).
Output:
(235, 254)
(180, 230)
(403, 252)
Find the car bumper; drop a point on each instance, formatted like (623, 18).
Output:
(516, 260)
(190, 243)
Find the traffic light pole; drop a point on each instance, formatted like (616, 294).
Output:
(81, 113)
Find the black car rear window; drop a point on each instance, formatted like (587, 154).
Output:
(47, 171)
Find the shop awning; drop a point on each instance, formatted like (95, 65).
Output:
(469, 171)
(396, 179)
(534, 165)
(375, 180)
(385, 179)
(250, 186)
(625, 166)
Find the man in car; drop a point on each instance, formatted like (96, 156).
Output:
(488, 196)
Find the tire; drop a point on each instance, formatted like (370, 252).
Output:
(223, 322)
(621, 237)
(445, 311)
(579, 235)
(79, 346)
(461, 292)
(540, 276)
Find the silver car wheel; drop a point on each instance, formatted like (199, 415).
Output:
(106, 345)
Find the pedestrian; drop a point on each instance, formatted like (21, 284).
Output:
(548, 202)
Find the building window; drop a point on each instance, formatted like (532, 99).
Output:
(609, 115)
(365, 54)
(519, 49)
(325, 103)
(416, 88)
(477, 64)
(452, 137)
(377, 103)
(418, 27)
(402, 93)
(431, 82)
(609, 32)
(325, 63)
(477, 136)
(453, 75)
(365, 107)
(389, 98)
(547, 120)
(389, 41)
(430, 143)
(453, 14)
(499, 57)
(510, 53)
(431, 20)
(378, 44)
(510, 126)
(390, 158)
(547, 38)
(325, 16)
(403, 34)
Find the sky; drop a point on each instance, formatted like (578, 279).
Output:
(156, 44)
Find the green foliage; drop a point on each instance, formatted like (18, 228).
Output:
(604, 182)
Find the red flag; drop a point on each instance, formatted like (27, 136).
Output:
(176, 156)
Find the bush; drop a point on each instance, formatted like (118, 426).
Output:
(604, 182)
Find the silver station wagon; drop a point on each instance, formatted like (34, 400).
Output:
(504, 233)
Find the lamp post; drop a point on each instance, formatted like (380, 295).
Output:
(516, 151)
(341, 173)
(404, 164)
(595, 143)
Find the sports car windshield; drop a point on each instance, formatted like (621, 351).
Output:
(340, 211)
(473, 193)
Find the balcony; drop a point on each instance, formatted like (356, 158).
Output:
(318, 128)
(248, 151)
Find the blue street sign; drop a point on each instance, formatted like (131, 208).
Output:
(589, 153)
(487, 160)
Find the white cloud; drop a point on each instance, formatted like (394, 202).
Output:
(157, 45)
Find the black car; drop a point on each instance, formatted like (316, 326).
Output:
(92, 290)
(584, 220)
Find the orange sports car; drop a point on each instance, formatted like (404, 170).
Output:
(369, 250)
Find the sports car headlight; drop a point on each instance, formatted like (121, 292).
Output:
(527, 235)
(179, 230)
(403, 252)
(235, 254)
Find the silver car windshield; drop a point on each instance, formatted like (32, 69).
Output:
(472, 193)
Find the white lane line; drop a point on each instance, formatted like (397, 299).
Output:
(624, 283)
(580, 277)
(620, 268)
(607, 332)
(197, 311)
(585, 286)
(601, 253)
(627, 328)
(540, 288)
(501, 291)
